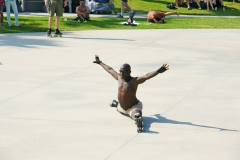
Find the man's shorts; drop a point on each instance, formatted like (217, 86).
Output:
(1, 8)
(124, 0)
(138, 106)
(56, 6)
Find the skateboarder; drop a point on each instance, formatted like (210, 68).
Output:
(127, 88)
(158, 17)
(55, 6)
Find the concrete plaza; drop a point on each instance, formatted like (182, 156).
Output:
(54, 100)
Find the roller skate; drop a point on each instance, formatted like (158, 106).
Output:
(139, 122)
(76, 19)
(57, 33)
(49, 34)
(114, 103)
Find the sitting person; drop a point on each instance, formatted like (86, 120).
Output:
(158, 17)
(178, 3)
(207, 4)
(218, 3)
(192, 3)
(82, 12)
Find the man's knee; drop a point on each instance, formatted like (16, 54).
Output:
(134, 112)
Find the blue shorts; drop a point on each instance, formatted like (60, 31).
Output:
(1, 8)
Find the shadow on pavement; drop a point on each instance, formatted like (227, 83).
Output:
(105, 39)
(160, 119)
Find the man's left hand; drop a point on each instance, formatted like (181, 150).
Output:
(163, 68)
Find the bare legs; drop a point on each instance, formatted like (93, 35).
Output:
(125, 5)
(178, 2)
(209, 1)
(50, 21)
(171, 13)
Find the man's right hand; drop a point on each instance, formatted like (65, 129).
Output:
(97, 60)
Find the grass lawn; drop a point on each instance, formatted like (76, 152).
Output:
(39, 24)
(144, 6)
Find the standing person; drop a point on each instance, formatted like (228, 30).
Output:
(13, 5)
(127, 88)
(158, 17)
(123, 5)
(1, 13)
(55, 6)
(82, 12)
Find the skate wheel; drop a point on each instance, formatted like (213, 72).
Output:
(138, 130)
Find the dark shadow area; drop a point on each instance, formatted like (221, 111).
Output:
(104, 39)
(19, 40)
(157, 1)
(160, 119)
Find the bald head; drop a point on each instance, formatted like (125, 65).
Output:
(125, 67)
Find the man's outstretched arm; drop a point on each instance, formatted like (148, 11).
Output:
(152, 74)
(109, 69)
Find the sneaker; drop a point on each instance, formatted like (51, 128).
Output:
(216, 8)
(119, 16)
(199, 8)
(189, 8)
(223, 8)
(76, 19)
(139, 122)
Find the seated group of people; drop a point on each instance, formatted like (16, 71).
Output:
(153, 16)
(195, 3)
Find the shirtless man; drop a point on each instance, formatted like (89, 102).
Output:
(82, 12)
(127, 88)
(158, 17)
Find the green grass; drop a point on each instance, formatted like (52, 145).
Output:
(39, 24)
(143, 6)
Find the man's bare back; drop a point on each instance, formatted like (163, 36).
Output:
(127, 92)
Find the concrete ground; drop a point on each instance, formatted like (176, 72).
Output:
(54, 100)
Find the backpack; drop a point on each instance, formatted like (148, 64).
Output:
(170, 5)
(203, 4)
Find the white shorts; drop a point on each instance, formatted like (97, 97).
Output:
(138, 106)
